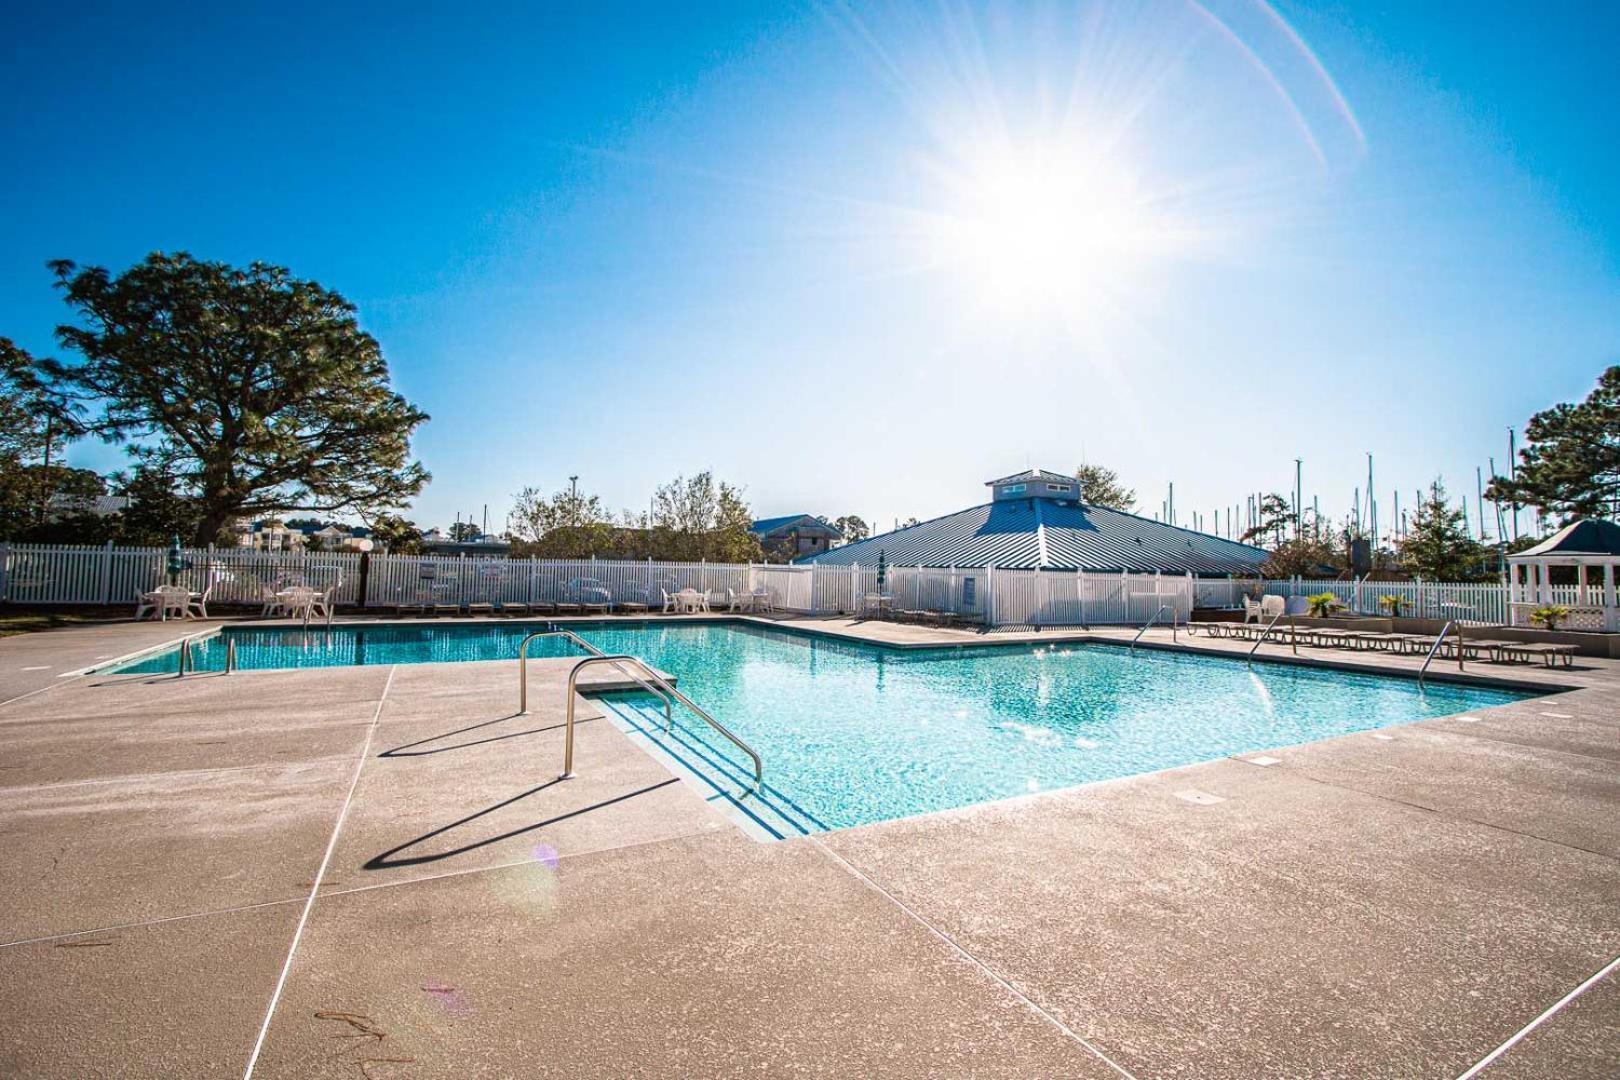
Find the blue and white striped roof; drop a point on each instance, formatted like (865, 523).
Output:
(1050, 535)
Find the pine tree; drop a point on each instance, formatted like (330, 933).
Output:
(1437, 543)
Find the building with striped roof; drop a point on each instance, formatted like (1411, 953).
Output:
(1035, 521)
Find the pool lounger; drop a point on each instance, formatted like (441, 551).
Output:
(1549, 653)
(482, 607)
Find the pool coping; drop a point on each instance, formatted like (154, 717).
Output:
(792, 626)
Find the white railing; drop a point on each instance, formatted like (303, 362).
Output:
(60, 574)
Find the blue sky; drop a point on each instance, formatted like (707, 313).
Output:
(860, 259)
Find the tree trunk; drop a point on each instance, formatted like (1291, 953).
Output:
(214, 521)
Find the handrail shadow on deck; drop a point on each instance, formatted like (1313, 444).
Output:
(409, 749)
(387, 859)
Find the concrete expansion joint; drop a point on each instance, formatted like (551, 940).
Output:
(1458, 817)
(985, 969)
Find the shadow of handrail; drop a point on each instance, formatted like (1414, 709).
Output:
(387, 859)
(409, 749)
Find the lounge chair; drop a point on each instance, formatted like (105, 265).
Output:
(511, 607)
(481, 607)
(1549, 653)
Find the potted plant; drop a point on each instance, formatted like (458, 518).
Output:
(1549, 615)
(1324, 604)
(1392, 604)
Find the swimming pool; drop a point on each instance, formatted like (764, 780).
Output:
(853, 733)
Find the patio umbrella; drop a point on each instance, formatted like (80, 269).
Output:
(177, 564)
(883, 570)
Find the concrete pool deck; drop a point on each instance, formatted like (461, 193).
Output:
(370, 872)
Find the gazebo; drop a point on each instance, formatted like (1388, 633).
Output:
(1592, 547)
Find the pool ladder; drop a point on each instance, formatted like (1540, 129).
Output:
(1174, 624)
(649, 680)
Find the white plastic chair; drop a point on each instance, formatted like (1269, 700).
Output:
(1252, 610)
(320, 604)
(1272, 605)
(198, 602)
(147, 604)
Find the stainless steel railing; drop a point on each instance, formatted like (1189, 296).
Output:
(653, 676)
(1435, 648)
(1153, 618)
(1264, 633)
(523, 672)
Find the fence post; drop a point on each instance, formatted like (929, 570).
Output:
(989, 594)
(106, 574)
(5, 571)
(365, 578)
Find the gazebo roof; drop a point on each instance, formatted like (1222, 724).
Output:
(1592, 536)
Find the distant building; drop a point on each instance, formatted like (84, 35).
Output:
(268, 535)
(795, 536)
(273, 535)
(1034, 520)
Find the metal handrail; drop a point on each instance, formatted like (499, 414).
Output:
(523, 672)
(230, 655)
(1444, 630)
(1261, 640)
(186, 659)
(616, 661)
(1150, 622)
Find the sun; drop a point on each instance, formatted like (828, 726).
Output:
(1046, 225)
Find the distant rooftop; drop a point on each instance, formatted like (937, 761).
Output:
(1038, 475)
(766, 526)
(1041, 533)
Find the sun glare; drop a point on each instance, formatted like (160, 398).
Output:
(1046, 226)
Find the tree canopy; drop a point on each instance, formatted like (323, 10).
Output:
(257, 391)
(395, 534)
(854, 528)
(1101, 487)
(1275, 516)
(567, 525)
(700, 517)
(1571, 466)
(34, 423)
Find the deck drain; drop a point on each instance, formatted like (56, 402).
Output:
(1467, 719)
(1558, 715)
(1263, 760)
(1386, 738)
(1199, 798)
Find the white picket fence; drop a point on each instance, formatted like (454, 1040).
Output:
(1469, 601)
(60, 574)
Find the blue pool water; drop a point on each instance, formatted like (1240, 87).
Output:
(852, 734)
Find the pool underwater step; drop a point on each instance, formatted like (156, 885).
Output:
(768, 808)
